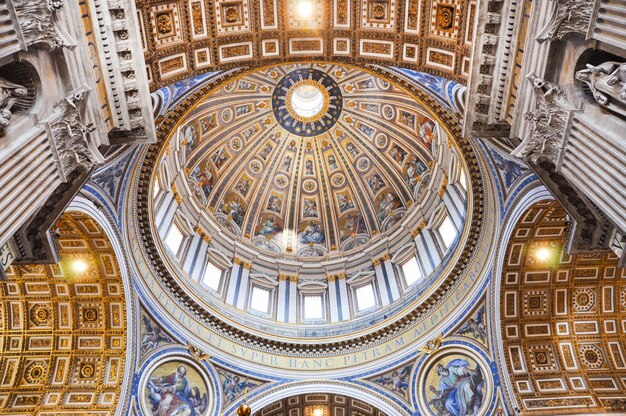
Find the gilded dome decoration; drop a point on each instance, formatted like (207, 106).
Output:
(310, 183)
(260, 211)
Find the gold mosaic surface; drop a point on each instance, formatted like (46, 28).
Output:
(62, 332)
(562, 320)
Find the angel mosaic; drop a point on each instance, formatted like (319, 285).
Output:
(344, 202)
(414, 172)
(368, 131)
(308, 167)
(152, 336)
(309, 208)
(375, 183)
(234, 210)
(397, 380)
(387, 205)
(398, 154)
(366, 84)
(352, 149)
(274, 204)
(269, 228)
(457, 387)
(243, 186)
(204, 179)
(242, 109)
(427, 131)
(351, 226)
(189, 138)
(332, 162)
(286, 163)
(219, 158)
(250, 132)
(179, 392)
(232, 385)
(264, 154)
(208, 123)
(475, 326)
(408, 119)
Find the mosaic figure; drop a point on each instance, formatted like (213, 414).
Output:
(414, 172)
(398, 154)
(310, 208)
(204, 179)
(475, 326)
(368, 131)
(208, 123)
(153, 336)
(312, 233)
(173, 394)
(352, 150)
(243, 186)
(189, 139)
(344, 202)
(308, 167)
(234, 210)
(407, 119)
(397, 380)
(387, 205)
(269, 227)
(219, 158)
(332, 162)
(274, 204)
(351, 226)
(375, 183)
(242, 109)
(460, 388)
(286, 163)
(232, 385)
(264, 154)
(427, 131)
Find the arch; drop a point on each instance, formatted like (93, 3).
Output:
(65, 332)
(380, 402)
(559, 318)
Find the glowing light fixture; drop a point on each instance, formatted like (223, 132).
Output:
(304, 9)
(79, 266)
(542, 253)
(307, 100)
(318, 411)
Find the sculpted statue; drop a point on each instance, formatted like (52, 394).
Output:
(547, 122)
(10, 93)
(568, 16)
(607, 82)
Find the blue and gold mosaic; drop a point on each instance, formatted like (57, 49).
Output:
(307, 126)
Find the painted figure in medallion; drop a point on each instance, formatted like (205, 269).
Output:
(173, 395)
(460, 390)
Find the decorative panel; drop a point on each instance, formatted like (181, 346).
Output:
(565, 357)
(64, 341)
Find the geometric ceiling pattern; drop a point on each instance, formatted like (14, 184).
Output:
(562, 320)
(63, 329)
(184, 38)
(319, 404)
(369, 162)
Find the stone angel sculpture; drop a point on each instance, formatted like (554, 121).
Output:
(607, 83)
(10, 93)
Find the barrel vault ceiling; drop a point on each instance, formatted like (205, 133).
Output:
(183, 38)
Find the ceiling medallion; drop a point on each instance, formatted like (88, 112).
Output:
(307, 102)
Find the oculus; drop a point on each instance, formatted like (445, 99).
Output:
(307, 102)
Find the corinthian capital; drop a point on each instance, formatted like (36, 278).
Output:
(568, 17)
(548, 123)
(39, 23)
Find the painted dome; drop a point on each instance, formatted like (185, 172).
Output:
(308, 160)
(309, 195)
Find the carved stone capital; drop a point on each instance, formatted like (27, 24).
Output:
(39, 23)
(568, 17)
(10, 93)
(548, 123)
(71, 136)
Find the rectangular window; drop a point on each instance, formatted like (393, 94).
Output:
(411, 271)
(313, 307)
(463, 179)
(447, 232)
(365, 297)
(156, 189)
(212, 276)
(174, 239)
(260, 299)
